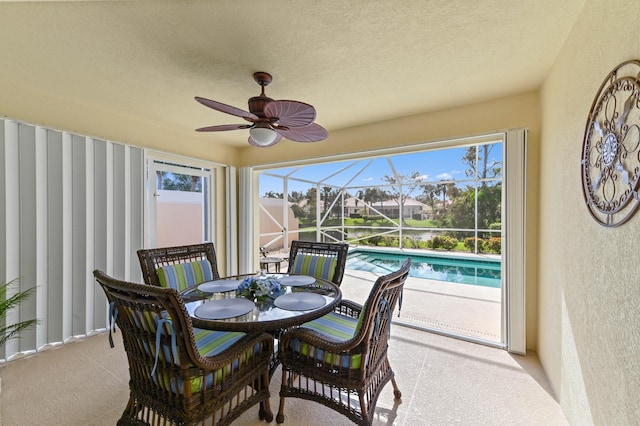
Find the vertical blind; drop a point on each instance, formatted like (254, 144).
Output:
(515, 232)
(69, 204)
(246, 231)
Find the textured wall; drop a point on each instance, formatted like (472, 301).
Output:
(589, 276)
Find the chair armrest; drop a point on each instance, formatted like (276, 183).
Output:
(348, 308)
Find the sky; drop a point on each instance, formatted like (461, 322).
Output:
(432, 166)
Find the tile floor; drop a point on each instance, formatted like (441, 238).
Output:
(444, 381)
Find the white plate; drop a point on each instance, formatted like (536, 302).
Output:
(297, 280)
(224, 308)
(218, 286)
(300, 301)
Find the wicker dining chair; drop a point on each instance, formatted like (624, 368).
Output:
(179, 267)
(322, 260)
(340, 360)
(179, 374)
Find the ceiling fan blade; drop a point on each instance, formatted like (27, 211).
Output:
(219, 106)
(310, 133)
(275, 141)
(224, 127)
(291, 113)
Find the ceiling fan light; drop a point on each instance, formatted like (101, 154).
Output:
(263, 135)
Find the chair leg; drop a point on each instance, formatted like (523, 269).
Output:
(130, 414)
(280, 416)
(396, 390)
(265, 406)
(364, 409)
(265, 411)
(127, 421)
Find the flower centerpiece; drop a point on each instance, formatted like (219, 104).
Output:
(258, 287)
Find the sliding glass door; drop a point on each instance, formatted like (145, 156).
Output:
(447, 205)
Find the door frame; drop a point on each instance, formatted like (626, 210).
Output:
(514, 221)
(181, 165)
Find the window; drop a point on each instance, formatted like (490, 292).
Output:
(178, 188)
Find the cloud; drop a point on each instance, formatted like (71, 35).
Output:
(369, 179)
(445, 176)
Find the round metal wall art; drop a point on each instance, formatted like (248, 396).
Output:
(611, 147)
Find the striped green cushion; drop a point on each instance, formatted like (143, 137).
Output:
(335, 327)
(316, 266)
(209, 343)
(183, 275)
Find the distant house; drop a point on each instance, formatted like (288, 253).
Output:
(353, 206)
(412, 208)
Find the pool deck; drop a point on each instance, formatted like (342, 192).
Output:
(467, 310)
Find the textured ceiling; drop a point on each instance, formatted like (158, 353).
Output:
(356, 61)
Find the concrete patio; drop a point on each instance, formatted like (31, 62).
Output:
(468, 310)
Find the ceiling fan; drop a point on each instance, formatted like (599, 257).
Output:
(270, 120)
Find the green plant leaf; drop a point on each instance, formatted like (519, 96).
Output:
(6, 304)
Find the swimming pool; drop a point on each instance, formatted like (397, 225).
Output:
(480, 272)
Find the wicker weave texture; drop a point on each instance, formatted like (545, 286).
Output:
(351, 390)
(152, 259)
(170, 382)
(337, 250)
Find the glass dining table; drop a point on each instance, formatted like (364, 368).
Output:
(215, 305)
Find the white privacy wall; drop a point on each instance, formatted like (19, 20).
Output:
(69, 204)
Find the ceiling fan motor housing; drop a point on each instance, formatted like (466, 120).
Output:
(257, 104)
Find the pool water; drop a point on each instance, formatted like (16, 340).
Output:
(486, 273)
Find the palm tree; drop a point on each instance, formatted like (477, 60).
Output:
(326, 194)
(441, 188)
(402, 187)
(371, 195)
(431, 192)
(485, 169)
